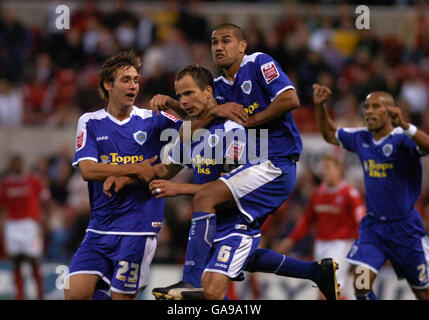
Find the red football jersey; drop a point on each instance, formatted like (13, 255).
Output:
(336, 212)
(20, 196)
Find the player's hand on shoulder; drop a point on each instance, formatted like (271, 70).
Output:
(321, 94)
(164, 188)
(161, 102)
(231, 110)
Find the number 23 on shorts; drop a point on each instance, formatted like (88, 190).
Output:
(133, 269)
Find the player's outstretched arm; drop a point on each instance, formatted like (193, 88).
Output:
(167, 171)
(420, 138)
(165, 188)
(93, 171)
(327, 128)
(285, 102)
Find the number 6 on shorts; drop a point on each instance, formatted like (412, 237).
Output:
(224, 253)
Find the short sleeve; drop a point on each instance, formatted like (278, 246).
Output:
(85, 144)
(235, 143)
(347, 137)
(270, 74)
(166, 120)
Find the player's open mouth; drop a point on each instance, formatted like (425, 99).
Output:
(370, 120)
(131, 95)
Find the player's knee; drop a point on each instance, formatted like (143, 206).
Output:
(422, 294)
(211, 290)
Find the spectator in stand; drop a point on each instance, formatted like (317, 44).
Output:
(11, 104)
(21, 197)
(336, 208)
(414, 93)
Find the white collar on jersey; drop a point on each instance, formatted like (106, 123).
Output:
(246, 59)
(133, 112)
(397, 130)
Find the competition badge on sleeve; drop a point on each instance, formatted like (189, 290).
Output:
(270, 72)
(80, 140)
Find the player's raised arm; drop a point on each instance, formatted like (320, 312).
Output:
(419, 137)
(284, 102)
(327, 128)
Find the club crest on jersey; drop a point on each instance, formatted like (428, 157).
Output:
(246, 86)
(213, 140)
(387, 149)
(270, 72)
(140, 137)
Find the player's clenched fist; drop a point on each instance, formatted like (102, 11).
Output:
(321, 94)
(396, 115)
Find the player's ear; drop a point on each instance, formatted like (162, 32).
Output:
(242, 46)
(208, 91)
(107, 85)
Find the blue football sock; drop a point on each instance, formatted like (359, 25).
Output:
(266, 260)
(368, 296)
(200, 241)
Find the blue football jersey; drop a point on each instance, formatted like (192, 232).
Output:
(104, 139)
(392, 171)
(257, 83)
(225, 144)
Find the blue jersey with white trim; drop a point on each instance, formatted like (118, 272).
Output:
(257, 83)
(104, 139)
(207, 157)
(392, 171)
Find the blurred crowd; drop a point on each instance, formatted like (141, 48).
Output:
(49, 77)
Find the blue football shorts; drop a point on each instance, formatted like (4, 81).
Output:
(405, 243)
(230, 255)
(122, 261)
(259, 189)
